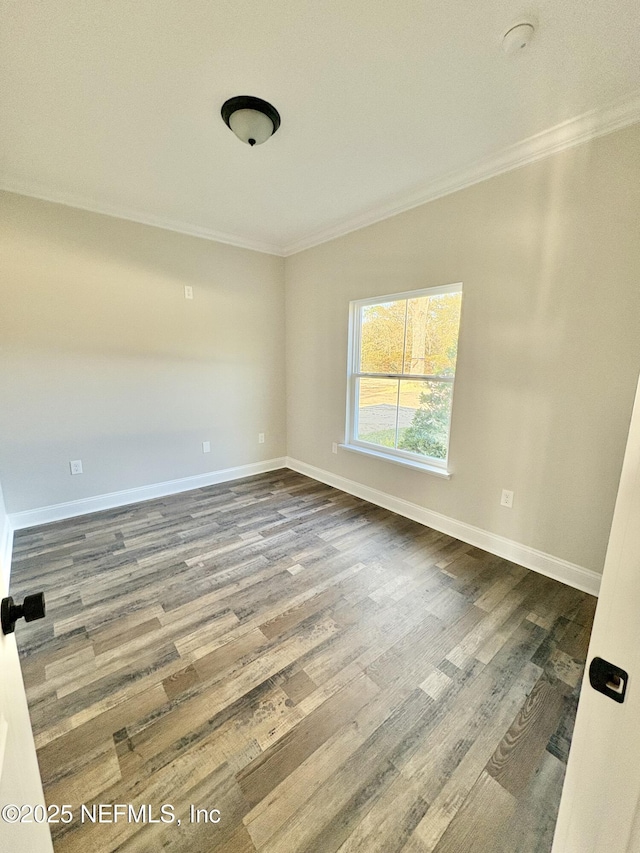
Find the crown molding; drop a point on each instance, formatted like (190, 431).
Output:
(39, 191)
(567, 134)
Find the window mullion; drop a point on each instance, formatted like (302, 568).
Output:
(418, 377)
(404, 341)
(404, 354)
(397, 414)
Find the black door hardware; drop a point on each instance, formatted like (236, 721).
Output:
(608, 679)
(32, 608)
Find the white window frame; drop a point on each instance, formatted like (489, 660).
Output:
(439, 467)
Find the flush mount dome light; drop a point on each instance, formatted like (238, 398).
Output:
(518, 36)
(251, 119)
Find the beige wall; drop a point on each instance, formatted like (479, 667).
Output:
(102, 358)
(549, 345)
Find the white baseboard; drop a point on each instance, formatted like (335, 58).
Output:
(546, 564)
(576, 576)
(71, 509)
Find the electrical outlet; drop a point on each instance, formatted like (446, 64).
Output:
(507, 498)
(188, 291)
(206, 447)
(76, 466)
(260, 438)
(334, 447)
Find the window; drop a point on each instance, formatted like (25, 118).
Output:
(402, 366)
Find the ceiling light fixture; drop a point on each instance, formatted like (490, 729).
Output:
(251, 119)
(517, 37)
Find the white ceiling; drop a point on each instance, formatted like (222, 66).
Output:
(114, 105)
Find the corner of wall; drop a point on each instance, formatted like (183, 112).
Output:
(6, 545)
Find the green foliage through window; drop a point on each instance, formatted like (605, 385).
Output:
(429, 430)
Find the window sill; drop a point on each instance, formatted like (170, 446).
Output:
(406, 463)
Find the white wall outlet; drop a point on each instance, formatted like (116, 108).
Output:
(334, 447)
(260, 438)
(76, 466)
(206, 447)
(188, 291)
(507, 498)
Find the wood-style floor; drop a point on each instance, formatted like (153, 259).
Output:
(328, 675)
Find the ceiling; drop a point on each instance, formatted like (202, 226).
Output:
(114, 105)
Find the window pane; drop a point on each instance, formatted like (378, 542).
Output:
(377, 409)
(423, 417)
(432, 334)
(382, 337)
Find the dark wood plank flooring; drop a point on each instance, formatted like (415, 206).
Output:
(326, 674)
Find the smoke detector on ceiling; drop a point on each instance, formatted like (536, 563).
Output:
(518, 36)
